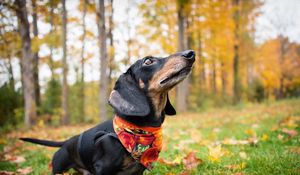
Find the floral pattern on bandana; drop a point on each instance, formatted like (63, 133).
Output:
(144, 143)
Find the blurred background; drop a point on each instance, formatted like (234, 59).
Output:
(59, 59)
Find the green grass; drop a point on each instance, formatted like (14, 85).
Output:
(275, 152)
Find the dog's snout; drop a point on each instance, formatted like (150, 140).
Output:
(189, 55)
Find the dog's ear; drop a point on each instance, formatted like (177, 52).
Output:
(128, 99)
(169, 109)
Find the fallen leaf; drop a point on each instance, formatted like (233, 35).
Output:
(295, 150)
(25, 171)
(280, 137)
(184, 173)
(243, 155)
(19, 159)
(196, 135)
(289, 122)
(290, 132)
(236, 166)
(250, 132)
(253, 140)
(204, 142)
(14, 159)
(265, 137)
(229, 141)
(215, 153)
(191, 161)
(3, 141)
(183, 144)
(6, 172)
(255, 125)
(167, 162)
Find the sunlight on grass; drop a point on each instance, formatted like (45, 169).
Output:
(255, 139)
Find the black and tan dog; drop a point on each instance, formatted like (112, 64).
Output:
(130, 142)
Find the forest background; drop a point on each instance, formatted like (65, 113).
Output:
(59, 60)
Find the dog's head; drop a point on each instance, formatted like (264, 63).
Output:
(145, 85)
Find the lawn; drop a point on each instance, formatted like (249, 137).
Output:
(246, 139)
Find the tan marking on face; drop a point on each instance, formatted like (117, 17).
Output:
(172, 65)
(158, 93)
(141, 83)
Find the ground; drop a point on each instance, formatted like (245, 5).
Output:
(246, 139)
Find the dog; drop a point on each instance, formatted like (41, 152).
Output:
(131, 141)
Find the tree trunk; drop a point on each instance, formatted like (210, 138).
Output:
(282, 52)
(36, 56)
(214, 76)
(51, 66)
(81, 92)
(103, 60)
(128, 42)
(65, 107)
(189, 44)
(223, 79)
(111, 42)
(182, 88)
(236, 78)
(11, 74)
(201, 61)
(27, 63)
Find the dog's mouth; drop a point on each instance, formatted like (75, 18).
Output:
(179, 75)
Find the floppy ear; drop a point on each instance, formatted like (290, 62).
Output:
(169, 109)
(128, 99)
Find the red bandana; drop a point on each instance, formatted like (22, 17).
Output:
(144, 143)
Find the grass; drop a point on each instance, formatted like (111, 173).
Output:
(253, 139)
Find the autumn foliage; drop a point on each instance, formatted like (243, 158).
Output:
(59, 60)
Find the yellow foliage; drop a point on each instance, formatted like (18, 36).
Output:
(215, 153)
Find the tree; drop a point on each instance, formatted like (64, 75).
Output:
(182, 88)
(51, 20)
(27, 62)
(81, 92)
(36, 54)
(103, 60)
(111, 51)
(65, 107)
(236, 78)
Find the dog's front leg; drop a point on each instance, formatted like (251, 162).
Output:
(100, 168)
(136, 169)
(109, 156)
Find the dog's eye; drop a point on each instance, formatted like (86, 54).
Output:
(148, 61)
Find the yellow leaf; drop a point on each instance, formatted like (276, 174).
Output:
(243, 155)
(2, 141)
(265, 137)
(215, 153)
(236, 166)
(177, 160)
(41, 123)
(250, 132)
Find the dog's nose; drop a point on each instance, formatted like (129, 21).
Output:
(189, 55)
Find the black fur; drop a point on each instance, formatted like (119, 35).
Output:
(90, 152)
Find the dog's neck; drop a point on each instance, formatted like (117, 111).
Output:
(155, 118)
(158, 101)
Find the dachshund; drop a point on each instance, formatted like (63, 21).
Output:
(131, 141)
